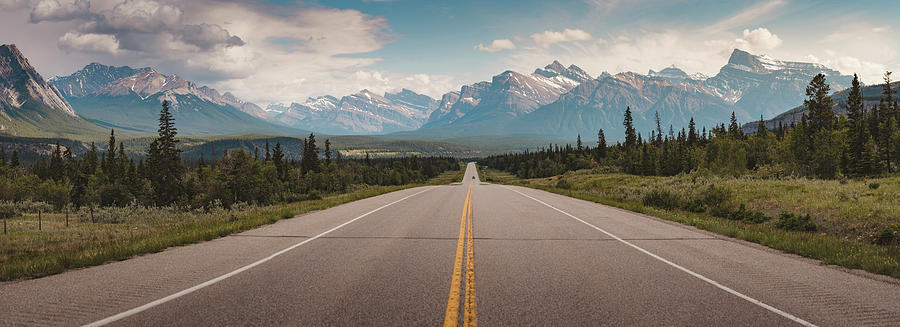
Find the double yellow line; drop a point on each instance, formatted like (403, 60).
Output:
(470, 314)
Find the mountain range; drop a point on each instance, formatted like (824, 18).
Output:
(553, 101)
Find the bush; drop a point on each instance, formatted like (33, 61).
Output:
(715, 196)
(563, 184)
(792, 222)
(885, 236)
(314, 195)
(749, 216)
(662, 198)
(874, 186)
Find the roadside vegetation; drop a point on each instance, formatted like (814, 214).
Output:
(826, 188)
(64, 211)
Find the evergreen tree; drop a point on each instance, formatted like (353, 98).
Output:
(14, 160)
(164, 159)
(819, 103)
(268, 154)
(56, 169)
(310, 160)
(886, 122)
(692, 138)
(761, 127)
(630, 134)
(857, 131)
(734, 130)
(327, 151)
(278, 159)
(579, 145)
(2, 156)
(601, 144)
(658, 140)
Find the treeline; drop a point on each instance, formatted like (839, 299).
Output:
(112, 178)
(864, 142)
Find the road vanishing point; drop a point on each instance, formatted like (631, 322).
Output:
(466, 254)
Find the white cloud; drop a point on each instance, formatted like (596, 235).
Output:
(547, 38)
(55, 10)
(102, 43)
(758, 39)
(496, 45)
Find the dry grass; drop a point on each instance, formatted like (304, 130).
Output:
(120, 233)
(849, 214)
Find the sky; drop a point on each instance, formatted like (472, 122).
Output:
(282, 51)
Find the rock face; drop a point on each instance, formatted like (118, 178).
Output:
(361, 113)
(507, 96)
(31, 107)
(126, 98)
(92, 78)
(20, 84)
(565, 102)
(761, 85)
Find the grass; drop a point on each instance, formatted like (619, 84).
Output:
(855, 225)
(121, 233)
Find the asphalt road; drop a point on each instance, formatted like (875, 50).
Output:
(460, 254)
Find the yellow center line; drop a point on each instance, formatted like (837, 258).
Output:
(470, 315)
(451, 317)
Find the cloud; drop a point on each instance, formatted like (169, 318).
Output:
(102, 43)
(496, 45)
(208, 36)
(547, 38)
(55, 10)
(758, 39)
(749, 15)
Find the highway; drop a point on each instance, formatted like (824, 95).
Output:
(467, 254)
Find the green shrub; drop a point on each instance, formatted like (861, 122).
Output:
(885, 236)
(792, 222)
(874, 186)
(564, 184)
(314, 195)
(748, 216)
(662, 198)
(715, 196)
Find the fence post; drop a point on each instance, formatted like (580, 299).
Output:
(92, 214)
(4, 226)
(67, 216)
(40, 225)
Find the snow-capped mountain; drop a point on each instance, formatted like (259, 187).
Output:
(361, 113)
(675, 75)
(29, 106)
(507, 96)
(761, 85)
(132, 102)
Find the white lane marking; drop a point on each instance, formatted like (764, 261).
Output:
(690, 272)
(144, 307)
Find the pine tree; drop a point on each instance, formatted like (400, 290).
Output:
(692, 138)
(886, 121)
(14, 160)
(734, 130)
(630, 134)
(278, 159)
(268, 154)
(819, 103)
(164, 159)
(761, 127)
(601, 144)
(327, 151)
(310, 160)
(2, 156)
(658, 140)
(857, 131)
(579, 146)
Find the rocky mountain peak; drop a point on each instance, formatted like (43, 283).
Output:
(20, 83)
